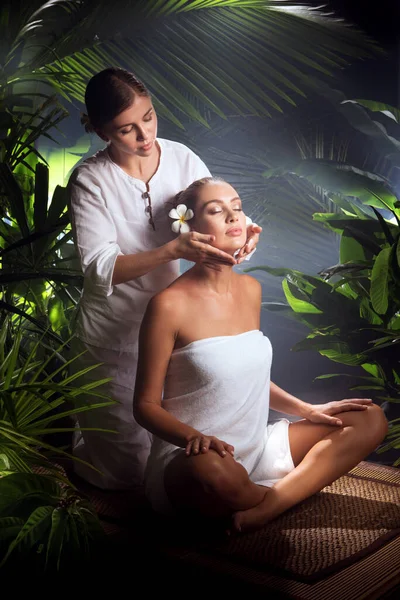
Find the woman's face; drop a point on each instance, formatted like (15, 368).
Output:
(218, 212)
(134, 130)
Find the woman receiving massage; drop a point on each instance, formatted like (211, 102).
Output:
(203, 390)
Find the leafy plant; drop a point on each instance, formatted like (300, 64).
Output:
(31, 394)
(256, 55)
(40, 510)
(40, 276)
(353, 308)
(45, 523)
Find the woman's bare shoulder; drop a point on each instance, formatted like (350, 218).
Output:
(168, 303)
(249, 284)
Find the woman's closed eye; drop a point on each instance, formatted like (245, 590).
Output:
(218, 211)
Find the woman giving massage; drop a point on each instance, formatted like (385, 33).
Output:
(203, 389)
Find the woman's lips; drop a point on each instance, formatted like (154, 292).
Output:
(234, 231)
(147, 146)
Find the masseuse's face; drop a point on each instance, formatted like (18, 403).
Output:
(218, 212)
(134, 130)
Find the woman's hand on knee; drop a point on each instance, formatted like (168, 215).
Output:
(201, 444)
(325, 413)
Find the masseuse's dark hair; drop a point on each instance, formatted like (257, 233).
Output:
(108, 93)
(189, 195)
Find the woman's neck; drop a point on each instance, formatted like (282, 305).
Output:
(217, 280)
(140, 167)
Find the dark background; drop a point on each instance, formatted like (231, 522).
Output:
(376, 79)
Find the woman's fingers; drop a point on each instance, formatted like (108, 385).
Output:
(218, 446)
(351, 404)
(215, 254)
(204, 445)
(229, 449)
(358, 400)
(202, 243)
(346, 407)
(253, 237)
(196, 446)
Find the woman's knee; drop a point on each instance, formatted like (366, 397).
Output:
(371, 424)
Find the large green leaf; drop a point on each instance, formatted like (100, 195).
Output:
(298, 300)
(380, 281)
(10, 528)
(263, 49)
(351, 250)
(59, 522)
(347, 180)
(398, 251)
(32, 532)
(372, 105)
(19, 487)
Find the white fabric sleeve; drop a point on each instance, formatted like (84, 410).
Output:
(94, 234)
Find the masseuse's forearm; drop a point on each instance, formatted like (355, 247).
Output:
(131, 266)
(286, 403)
(161, 423)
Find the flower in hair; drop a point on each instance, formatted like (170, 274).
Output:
(182, 214)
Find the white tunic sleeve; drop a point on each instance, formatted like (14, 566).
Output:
(94, 232)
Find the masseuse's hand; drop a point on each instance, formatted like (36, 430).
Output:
(253, 236)
(196, 247)
(325, 413)
(200, 444)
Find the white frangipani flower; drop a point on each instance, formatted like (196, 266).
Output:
(182, 214)
(248, 220)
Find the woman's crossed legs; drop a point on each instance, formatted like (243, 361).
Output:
(218, 486)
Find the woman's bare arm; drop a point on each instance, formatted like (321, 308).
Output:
(156, 342)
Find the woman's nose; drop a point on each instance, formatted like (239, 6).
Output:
(141, 135)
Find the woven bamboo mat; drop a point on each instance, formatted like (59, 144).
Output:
(343, 543)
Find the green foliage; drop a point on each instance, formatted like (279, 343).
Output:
(34, 395)
(45, 522)
(42, 517)
(40, 275)
(353, 308)
(256, 55)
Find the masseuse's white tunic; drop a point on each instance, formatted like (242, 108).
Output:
(109, 219)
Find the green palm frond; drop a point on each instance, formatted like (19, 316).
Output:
(36, 396)
(237, 56)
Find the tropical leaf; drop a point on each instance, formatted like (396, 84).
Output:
(380, 281)
(344, 179)
(373, 106)
(19, 487)
(264, 49)
(32, 532)
(10, 528)
(59, 523)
